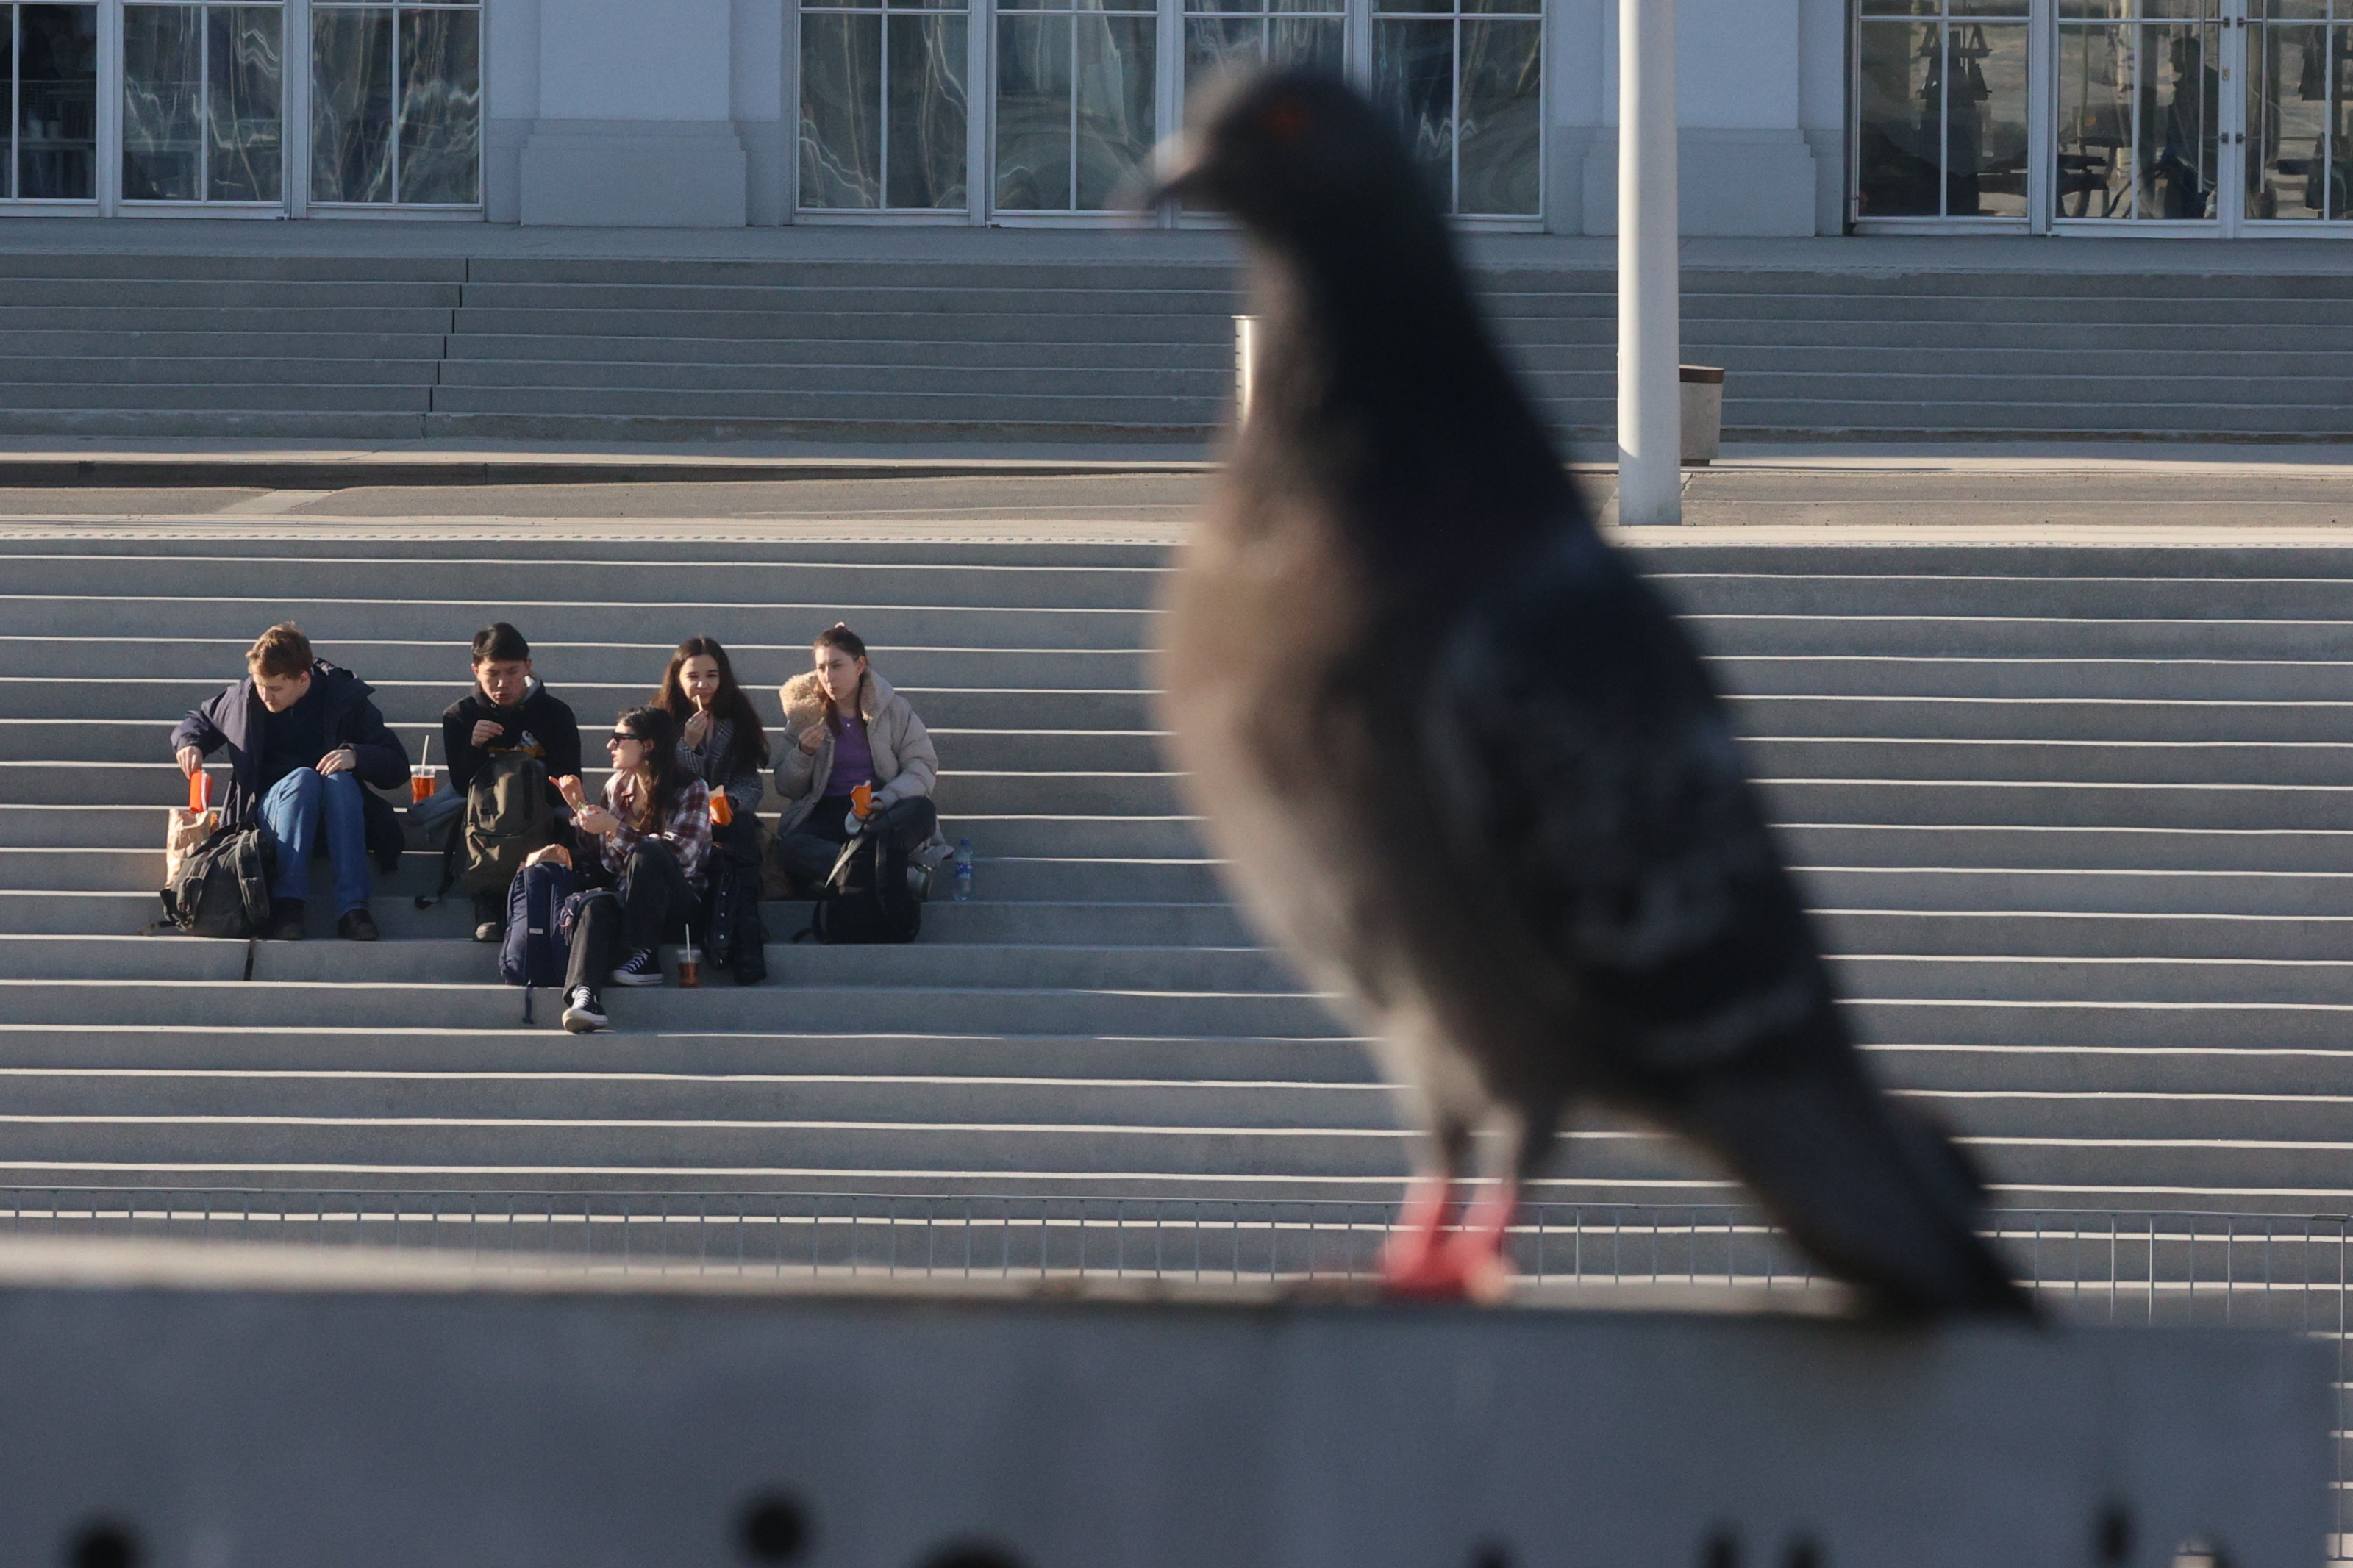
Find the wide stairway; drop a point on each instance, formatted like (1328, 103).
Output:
(2076, 822)
(378, 348)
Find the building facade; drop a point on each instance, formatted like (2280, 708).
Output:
(1800, 117)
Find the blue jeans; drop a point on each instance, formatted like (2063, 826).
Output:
(291, 813)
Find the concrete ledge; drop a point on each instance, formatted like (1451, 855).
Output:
(204, 1406)
(265, 472)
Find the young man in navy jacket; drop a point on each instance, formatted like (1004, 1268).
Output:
(303, 739)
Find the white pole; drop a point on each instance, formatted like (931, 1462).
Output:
(1650, 326)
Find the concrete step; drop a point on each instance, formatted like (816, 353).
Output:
(761, 664)
(2086, 680)
(577, 594)
(400, 965)
(890, 1010)
(453, 622)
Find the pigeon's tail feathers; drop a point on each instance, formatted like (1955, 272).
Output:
(1874, 1193)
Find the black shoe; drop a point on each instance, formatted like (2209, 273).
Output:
(584, 1013)
(642, 967)
(286, 921)
(358, 926)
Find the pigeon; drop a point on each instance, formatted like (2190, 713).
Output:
(1462, 763)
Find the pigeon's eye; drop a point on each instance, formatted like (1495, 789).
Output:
(1285, 120)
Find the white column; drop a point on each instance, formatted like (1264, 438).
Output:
(1650, 326)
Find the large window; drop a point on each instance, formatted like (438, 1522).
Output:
(202, 87)
(1941, 108)
(1222, 33)
(2299, 121)
(1466, 76)
(49, 69)
(2140, 100)
(883, 106)
(395, 105)
(1075, 103)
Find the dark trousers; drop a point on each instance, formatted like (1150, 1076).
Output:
(652, 906)
(809, 850)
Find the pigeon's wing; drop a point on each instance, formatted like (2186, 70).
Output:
(1592, 782)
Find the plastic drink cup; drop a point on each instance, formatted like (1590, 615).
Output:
(690, 966)
(420, 783)
(722, 810)
(200, 791)
(861, 800)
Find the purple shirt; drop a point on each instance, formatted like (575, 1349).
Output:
(853, 760)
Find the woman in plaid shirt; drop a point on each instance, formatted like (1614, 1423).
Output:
(653, 835)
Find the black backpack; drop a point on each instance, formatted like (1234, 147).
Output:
(222, 888)
(867, 898)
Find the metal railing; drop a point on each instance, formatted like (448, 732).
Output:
(2284, 1272)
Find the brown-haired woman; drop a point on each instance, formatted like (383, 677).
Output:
(722, 742)
(849, 728)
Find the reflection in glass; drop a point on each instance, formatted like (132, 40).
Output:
(2298, 130)
(1413, 74)
(1499, 138)
(1985, 129)
(882, 109)
(1465, 81)
(1114, 102)
(163, 103)
(351, 104)
(841, 110)
(245, 74)
(439, 156)
(1941, 116)
(2137, 110)
(397, 104)
(1033, 114)
(56, 81)
(1899, 113)
(924, 129)
(1220, 33)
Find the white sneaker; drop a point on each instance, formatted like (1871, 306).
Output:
(584, 1013)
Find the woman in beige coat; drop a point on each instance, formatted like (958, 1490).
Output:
(848, 727)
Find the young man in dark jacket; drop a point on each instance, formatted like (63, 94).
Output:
(508, 711)
(303, 739)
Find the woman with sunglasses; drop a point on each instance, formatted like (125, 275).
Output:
(651, 837)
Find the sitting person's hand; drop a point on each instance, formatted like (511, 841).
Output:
(570, 788)
(698, 727)
(486, 730)
(595, 819)
(812, 738)
(190, 759)
(339, 761)
(554, 852)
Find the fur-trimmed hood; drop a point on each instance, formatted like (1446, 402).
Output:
(905, 765)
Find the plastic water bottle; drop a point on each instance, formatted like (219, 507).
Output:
(964, 871)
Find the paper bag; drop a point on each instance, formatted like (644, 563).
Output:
(183, 831)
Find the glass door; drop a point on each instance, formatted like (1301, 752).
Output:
(2299, 129)
(2141, 134)
(1943, 110)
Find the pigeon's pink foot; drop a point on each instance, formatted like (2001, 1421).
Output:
(1428, 1260)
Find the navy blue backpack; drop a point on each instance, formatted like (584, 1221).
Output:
(537, 945)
